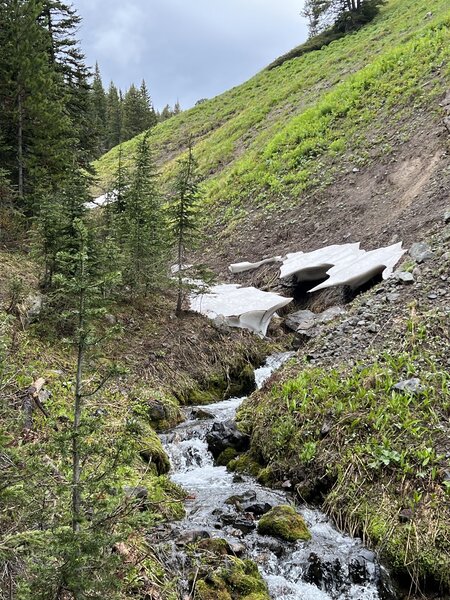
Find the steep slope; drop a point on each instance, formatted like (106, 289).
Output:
(342, 143)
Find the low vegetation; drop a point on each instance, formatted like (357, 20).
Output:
(375, 455)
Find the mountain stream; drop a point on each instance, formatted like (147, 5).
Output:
(330, 566)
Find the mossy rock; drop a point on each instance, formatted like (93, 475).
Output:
(226, 457)
(236, 580)
(152, 451)
(208, 591)
(216, 546)
(239, 381)
(244, 464)
(266, 476)
(285, 523)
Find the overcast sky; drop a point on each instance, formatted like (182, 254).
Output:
(187, 49)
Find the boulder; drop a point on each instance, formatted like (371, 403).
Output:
(285, 523)
(447, 216)
(420, 252)
(226, 435)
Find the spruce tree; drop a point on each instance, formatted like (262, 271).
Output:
(148, 112)
(184, 215)
(113, 118)
(33, 113)
(142, 224)
(99, 112)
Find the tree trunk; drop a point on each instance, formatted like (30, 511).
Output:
(20, 145)
(76, 461)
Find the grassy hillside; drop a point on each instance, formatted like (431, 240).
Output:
(268, 143)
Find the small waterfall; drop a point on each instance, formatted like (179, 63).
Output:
(331, 566)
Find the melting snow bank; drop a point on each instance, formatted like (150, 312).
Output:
(248, 266)
(343, 264)
(102, 200)
(235, 306)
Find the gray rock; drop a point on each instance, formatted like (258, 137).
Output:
(330, 314)
(447, 216)
(201, 414)
(405, 277)
(410, 386)
(31, 308)
(301, 320)
(226, 435)
(420, 252)
(189, 537)
(446, 122)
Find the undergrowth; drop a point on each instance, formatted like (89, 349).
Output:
(378, 457)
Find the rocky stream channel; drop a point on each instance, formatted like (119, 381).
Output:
(328, 566)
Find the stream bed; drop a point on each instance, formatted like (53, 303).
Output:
(330, 566)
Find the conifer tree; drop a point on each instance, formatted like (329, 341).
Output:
(143, 229)
(99, 112)
(148, 112)
(113, 118)
(33, 113)
(184, 215)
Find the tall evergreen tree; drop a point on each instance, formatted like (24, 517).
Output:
(143, 228)
(113, 118)
(138, 112)
(99, 112)
(33, 114)
(148, 112)
(342, 15)
(184, 215)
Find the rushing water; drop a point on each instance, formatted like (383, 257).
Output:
(330, 566)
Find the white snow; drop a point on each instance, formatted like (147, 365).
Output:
(311, 266)
(248, 266)
(247, 308)
(345, 264)
(358, 271)
(102, 200)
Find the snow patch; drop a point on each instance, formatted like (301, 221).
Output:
(236, 306)
(248, 266)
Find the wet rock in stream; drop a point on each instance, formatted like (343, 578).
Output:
(225, 435)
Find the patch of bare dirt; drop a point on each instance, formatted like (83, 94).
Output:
(397, 197)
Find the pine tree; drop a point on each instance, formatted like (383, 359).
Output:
(62, 22)
(142, 224)
(131, 110)
(113, 118)
(342, 15)
(33, 113)
(99, 112)
(148, 112)
(184, 215)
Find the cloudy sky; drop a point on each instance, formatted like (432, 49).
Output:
(187, 49)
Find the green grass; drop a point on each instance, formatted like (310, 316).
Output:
(369, 452)
(277, 136)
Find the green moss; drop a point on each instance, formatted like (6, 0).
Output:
(210, 591)
(217, 546)
(284, 522)
(266, 476)
(244, 464)
(236, 580)
(226, 457)
(239, 380)
(151, 450)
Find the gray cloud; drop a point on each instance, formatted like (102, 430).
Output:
(187, 50)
